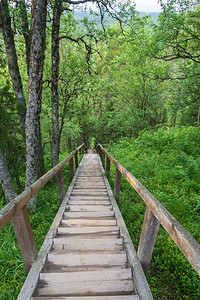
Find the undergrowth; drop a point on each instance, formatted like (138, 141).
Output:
(167, 162)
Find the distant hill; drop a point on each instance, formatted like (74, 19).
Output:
(108, 21)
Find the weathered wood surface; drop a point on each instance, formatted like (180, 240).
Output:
(24, 235)
(186, 243)
(147, 239)
(124, 297)
(118, 176)
(87, 258)
(61, 186)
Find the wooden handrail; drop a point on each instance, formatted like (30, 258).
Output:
(17, 212)
(8, 212)
(186, 243)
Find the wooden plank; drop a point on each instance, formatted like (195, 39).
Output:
(89, 198)
(88, 222)
(147, 239)
(61, 187)
(107, 167)
(89, 193)
(91, 215)
(91, 202)
(116, 297)
(24, 235)
(186, 243)
(87, 260)
(76, 160)
(87, 288)
(110, 230)
(77, 208)
(88, 184)
(118, 176)
(102, 244)
(71, 168)
(90, 190)
(91, 180)
(99, 275)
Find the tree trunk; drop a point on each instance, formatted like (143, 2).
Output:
(54, 82)
(37, 54)
(25, 30)
(6, 180)
(5, 24)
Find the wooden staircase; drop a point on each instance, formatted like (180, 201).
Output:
(88, 253)
(87, 259)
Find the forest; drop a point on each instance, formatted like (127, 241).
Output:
(104, 73)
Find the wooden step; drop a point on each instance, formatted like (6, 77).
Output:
(87, 193)
(87, 260)
(86, 288)
(88, 198)
(116, 297)
(90, 190)
(101, 275)
(86, 245)
(91, 202)
(99, 208)
(90, 185)
(90, 181)
(88, 222)
(111, 230)
(91, 215)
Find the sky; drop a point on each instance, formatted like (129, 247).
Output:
(147, 5)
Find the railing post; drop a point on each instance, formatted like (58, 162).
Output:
(76, 159)
(147, 239)
(71, 168)
(118, 176)
(24, 235)
(103, 159)
(61, 187)
(107, 167)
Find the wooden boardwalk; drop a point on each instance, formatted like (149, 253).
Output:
(88, 257)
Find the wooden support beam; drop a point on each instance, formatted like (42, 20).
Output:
(61, 187)
(107, 167)
(25, 239)
(118, 176)
(147, 239)
(76, 159)
(71, 168)
(103, 159)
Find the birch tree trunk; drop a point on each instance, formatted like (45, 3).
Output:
(37, 54)
(5, 24)
(55, 145)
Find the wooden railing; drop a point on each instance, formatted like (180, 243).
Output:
(16, 210)
(155, 215)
